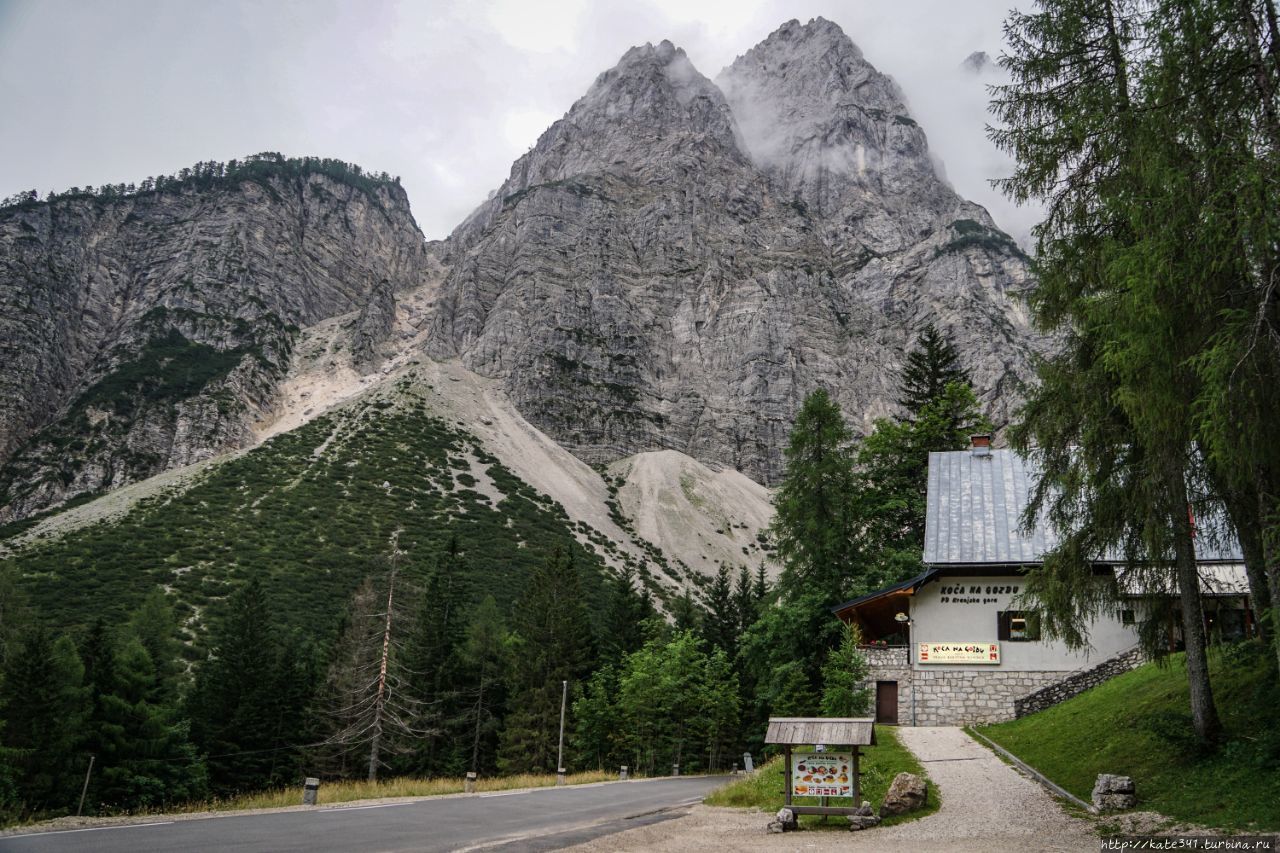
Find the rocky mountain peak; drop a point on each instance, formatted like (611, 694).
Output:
(650, 116)
(977, 63)
(836, 134)
(814, 37)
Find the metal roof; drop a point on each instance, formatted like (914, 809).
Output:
(835, 731)
(975, 506)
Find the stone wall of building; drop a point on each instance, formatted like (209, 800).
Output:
(890, 663)
(966, 697)
(953, 697)
(1078, 682)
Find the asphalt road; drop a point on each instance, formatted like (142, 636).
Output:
(541, 819)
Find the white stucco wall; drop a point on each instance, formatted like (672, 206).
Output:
(949, 610)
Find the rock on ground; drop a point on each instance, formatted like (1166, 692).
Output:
(906, 793)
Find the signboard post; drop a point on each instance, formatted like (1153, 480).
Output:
(828, 765)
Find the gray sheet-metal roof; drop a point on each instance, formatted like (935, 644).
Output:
(974, 514)
(835, 731)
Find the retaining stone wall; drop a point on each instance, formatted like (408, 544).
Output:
(1078, 682)
(948, 697)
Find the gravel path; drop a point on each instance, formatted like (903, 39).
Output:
(987, 806)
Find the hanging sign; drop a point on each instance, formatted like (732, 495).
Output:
(822, 774)
(986, 653)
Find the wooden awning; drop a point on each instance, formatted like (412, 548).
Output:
(834, 731)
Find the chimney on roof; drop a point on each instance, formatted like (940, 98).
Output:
(980, 445)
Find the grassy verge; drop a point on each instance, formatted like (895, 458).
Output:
(880, 763)
(347, 791)
(1137, 725)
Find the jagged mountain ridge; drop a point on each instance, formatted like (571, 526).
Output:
(151, 331)
(784, 230)
(651, 276)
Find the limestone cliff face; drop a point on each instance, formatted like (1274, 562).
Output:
(678, 263)
(146, 332)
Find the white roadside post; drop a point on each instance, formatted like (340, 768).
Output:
(564, 698)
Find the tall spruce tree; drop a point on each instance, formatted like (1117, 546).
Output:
(46, 707)
(155, 625)
(891, 483)
(931, 367)
(812, 522)
(435, 657)
(232, 705)
(146, 759)
(486, 658)
(629, 612)
(555, 645)
(1139, 255)
(720, 622)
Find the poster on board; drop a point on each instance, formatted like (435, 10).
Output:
(822, 774)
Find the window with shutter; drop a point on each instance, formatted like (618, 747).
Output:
(1018, 625)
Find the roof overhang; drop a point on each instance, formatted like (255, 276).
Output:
(907, 587)
(835, 731)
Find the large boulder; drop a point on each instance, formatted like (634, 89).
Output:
(1114, 793)
(907, 793)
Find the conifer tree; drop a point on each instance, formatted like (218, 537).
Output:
(555, 645)
(435, 650)
(931, 367)
(686, 613)
(375, 712)
(486, 657)
(155, 625)
(720, 622)
(628, 612)
(1140, 133)
(146, 759)
(46, 706)
(232, 705)
(844, 676)
(812, 524)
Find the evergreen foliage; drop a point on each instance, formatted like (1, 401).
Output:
(931, 367)
(46, 706)
(237, 718)
(1149, 131)
(204, 175)
(670, 703)
(844, 679)
(812, 525)
(556, 645)
(487, 664)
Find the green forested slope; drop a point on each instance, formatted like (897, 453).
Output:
(309, 513)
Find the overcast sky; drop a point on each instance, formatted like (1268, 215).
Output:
(444, 93)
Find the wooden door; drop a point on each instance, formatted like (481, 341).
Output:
(887, 702)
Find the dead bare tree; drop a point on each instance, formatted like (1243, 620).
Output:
(368, 688)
